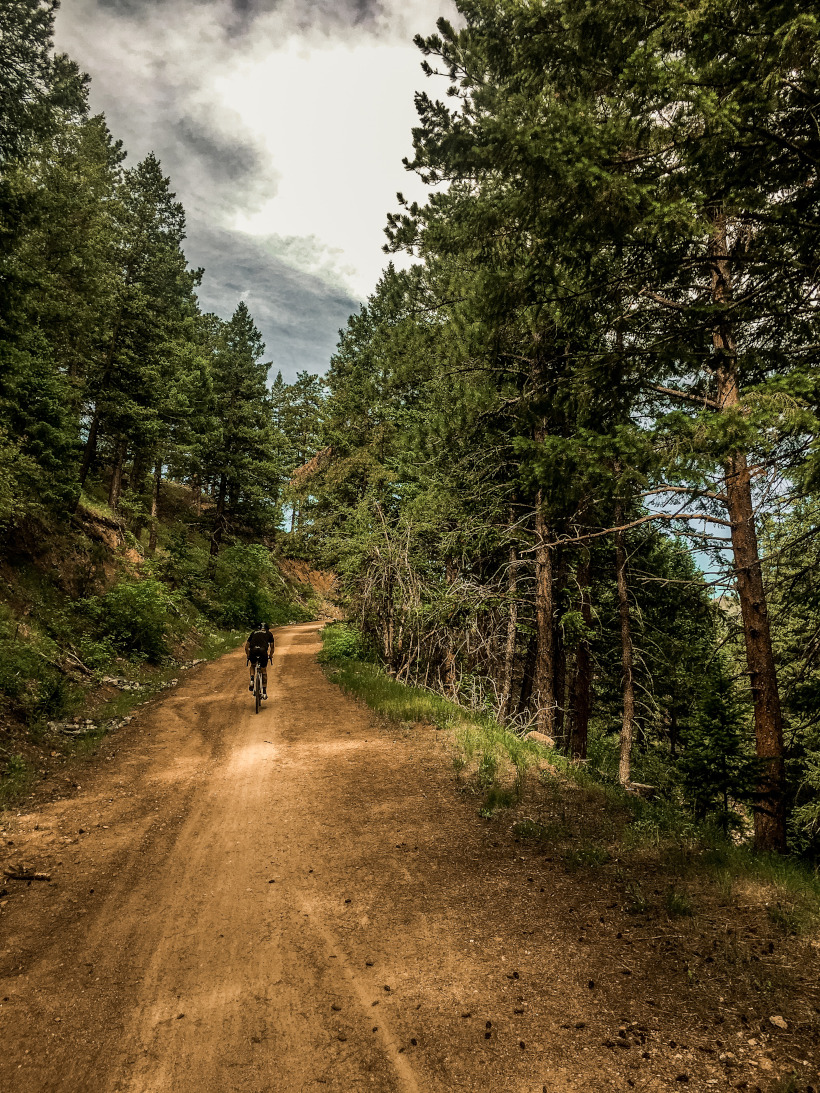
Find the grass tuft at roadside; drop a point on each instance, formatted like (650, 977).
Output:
(664, 861)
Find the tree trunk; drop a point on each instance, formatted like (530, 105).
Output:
(509, 649)
(219, 516)
(559, 688)
(93, 432)
(450, 672)
(628, 721)
(770, 806)
(115, 488)
(582, 681)
(527, 675)
(544, 668)
(152, 539)
(559, 653)
(139, 466)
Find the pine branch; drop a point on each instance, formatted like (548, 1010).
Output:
(699, 400)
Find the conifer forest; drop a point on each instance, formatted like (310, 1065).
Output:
(565, 460)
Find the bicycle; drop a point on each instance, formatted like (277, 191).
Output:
(257, 683)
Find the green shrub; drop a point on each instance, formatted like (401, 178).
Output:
(637, 902)
(487, 770)
(340, 641)
(497, 797)
(241, 588)
(590, 856)
(95, 653)
(26, 677)
(135, 617)
(50, 696)
(18, 664)
(184, 564)
(16, 775)
(678, 904)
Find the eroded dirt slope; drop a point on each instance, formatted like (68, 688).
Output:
(301, 900)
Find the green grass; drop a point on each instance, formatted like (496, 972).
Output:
(394, 701)
(637, 902)
(16, 777)
(495, 799)
(579, 808)
(480, 747)
(97, 507)
(340, 643)
(793, 885)
(589, 856)
(482, 751)
(545, 834)
(678, 904)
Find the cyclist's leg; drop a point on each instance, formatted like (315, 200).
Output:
(264, 680)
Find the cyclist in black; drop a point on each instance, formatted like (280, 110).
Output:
(259, 650)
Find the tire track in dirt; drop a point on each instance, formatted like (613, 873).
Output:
(405, 1081)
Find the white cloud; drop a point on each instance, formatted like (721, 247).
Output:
(335, 120)
(282, 124)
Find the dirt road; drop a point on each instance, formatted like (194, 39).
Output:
(301, 901)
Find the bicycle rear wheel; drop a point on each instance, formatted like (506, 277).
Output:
(257, 688)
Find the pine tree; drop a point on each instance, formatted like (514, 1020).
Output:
(241, 459)
(39, 94)
(719, 774)
(152, 303)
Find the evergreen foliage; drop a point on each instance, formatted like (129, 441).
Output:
(111, 379)
(611, 336)
(718, 772)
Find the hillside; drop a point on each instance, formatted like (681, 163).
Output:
(91, 624)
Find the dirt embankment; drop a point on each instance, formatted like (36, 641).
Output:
(322, 584)
(301, 900)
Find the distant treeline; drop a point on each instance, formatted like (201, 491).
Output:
(600, 382)
(110, 375)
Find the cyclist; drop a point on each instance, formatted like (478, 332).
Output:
(259, 650)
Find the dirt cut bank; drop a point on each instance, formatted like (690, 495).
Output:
(300, 900)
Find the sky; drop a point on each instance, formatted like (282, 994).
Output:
(282, 125)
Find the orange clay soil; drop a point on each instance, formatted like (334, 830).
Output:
(302, 900)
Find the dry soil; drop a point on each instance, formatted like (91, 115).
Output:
(301, 900)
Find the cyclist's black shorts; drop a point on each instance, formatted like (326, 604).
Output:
(258, 658)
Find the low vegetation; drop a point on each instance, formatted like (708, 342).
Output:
(664, 858)
(108, 626)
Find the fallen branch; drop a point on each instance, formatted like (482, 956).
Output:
(53, 663)
(540, 738)
(79, 663)
(25, 874)
(638, 789)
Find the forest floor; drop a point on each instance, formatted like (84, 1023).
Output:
(304, 900)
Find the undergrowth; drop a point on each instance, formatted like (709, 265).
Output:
(16, 778)
(577, 811)
(85, 602)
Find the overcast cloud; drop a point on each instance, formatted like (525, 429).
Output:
(282, 124)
